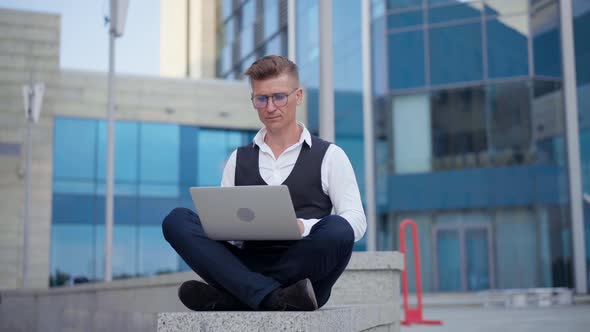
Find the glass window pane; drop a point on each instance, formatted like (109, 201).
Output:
(72, 254)
(406, 60)
(405, 19)
(159, 152)
(248, 13)
(271, 17)
(458, 127)
(155, 254)
(126, 151)
(401, 4)
(153, 210)
(454, 13)
(74, 154)
(504, 7)
(478, 269)
(213, 154)
(124, 258)
(246, 41)
(226, 7)
(456, 54)
(449, 260)
(412, 135)
(273, 46)
(546, 39)
(510, 123)
(72, 209)
(507, 47)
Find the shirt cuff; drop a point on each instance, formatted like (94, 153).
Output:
(307, 225)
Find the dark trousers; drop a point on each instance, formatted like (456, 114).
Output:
(260, 267)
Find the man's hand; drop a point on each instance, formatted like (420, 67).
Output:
(301, 227)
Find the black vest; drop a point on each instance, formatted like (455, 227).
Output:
(304, 182)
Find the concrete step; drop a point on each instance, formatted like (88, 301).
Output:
(342, 318)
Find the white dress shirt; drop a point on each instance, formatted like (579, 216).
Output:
(338, 179)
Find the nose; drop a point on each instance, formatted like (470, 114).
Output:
(270, 105)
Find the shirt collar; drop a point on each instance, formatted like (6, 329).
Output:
(305, 136)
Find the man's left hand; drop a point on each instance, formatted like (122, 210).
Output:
(301, 227)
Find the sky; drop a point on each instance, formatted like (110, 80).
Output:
(84, 38)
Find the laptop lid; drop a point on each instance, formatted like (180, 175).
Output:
(246, 212)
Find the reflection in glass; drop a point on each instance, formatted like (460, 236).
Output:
(507, 46)
(458, 12)
(546, 39)
(159, 152)
(505, 7)
(405, 19)
(406, 60)
(448, 255)
(456, 54)
(155, 254)
(71, 253)
(69, 160)
(124, 259)
(458, 127)
(478, 273)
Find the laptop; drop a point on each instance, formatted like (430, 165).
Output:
(246, 212)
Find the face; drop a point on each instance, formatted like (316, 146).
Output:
(278, 117)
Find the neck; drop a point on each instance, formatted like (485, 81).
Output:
(284, 137)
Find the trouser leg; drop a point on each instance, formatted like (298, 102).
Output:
(215, 261)
(321, 256)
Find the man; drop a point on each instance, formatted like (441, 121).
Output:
(276, 275)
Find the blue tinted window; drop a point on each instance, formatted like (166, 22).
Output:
(75, 148)
(404, 19)
(213, 153)
(124, 259)
(271, 17)
(507, 47)
(455, 54)
(546, 40)
(246, 41)
(126, 150)
(454, 13)
(156, 256)
(73, 209)
(406, 60)
(159, 152)
(307, 36)
(188, 154)
(273, 46)
(401, 4)
(72, 253)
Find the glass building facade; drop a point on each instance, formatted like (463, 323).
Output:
(470, 131)
(248, 30)
(581, 20)
(155, 164)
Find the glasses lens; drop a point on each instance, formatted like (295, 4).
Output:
(280, 99)
(260, 101)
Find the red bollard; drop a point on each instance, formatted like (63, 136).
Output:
(413, 315)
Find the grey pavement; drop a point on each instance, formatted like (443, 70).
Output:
(462, 319)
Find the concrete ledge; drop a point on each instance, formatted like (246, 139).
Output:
(371, 278)
(377, 317)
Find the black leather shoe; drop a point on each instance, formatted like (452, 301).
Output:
(199, 296)
(297, 297)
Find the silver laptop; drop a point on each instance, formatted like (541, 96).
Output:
(246, 212)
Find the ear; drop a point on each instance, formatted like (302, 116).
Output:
(299, 95)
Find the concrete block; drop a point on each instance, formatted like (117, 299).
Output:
(338, 318)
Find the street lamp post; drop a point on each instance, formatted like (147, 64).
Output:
(33, 97)
(117, 24)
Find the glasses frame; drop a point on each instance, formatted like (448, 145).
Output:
(272, 97)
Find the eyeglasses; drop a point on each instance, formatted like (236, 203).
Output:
(279, 99)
